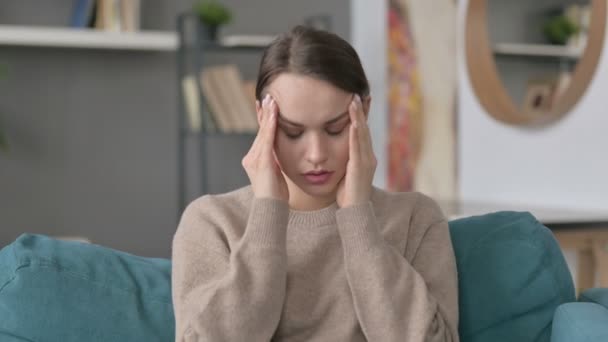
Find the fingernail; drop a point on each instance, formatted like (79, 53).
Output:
(265, 100)
(358, 99)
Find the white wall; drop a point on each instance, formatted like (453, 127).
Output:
(564, 165)
(368, 36)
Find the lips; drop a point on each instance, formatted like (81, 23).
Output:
(318, 177)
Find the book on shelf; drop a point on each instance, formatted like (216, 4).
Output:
(106, 18)
(130, 14)
(243, 108)
(225, 85)
(213, 98)
(83, 14)
(192, 104)
(249, 88)
(117, 15)
(224, 91)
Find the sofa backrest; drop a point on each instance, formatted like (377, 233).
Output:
(52, 290)
(512, 276)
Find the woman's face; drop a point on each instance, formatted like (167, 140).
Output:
(311, 141)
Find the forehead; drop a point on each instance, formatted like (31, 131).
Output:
(306, 99)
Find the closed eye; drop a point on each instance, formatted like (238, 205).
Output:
(337, 129)
(291, 133)
(334, 129)
(334, 133)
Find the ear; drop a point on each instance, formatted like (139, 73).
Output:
(367, 103)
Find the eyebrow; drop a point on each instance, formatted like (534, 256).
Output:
(329, 122)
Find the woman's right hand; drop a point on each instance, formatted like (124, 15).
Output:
(260, 163)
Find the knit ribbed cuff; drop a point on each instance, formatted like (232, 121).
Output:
(358, 228)
(267, 224)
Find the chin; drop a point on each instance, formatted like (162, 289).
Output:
(319, 191)
(322, 190)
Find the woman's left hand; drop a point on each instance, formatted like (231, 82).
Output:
(356, 186)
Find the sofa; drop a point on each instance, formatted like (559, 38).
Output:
(514, 285)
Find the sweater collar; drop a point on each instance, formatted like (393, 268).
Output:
(314, 218)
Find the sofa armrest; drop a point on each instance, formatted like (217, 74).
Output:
(580, 322)
(596, 295)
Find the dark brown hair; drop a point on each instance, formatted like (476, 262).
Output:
(315, 53)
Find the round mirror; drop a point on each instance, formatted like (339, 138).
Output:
(530, 61)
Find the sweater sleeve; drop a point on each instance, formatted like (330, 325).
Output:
(223, 295)
(396, 300)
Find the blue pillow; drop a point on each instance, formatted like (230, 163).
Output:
(512, 276)
(52, 290)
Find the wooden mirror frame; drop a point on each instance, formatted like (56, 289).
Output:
(486, 81)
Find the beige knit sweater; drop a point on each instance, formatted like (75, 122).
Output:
(247, 269)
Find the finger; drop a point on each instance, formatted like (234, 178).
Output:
(352, 111)
(259, 136)
(258, 111)
(353, 139)
(356, 125)
(265, 112)
(270, 129)
(365, 141)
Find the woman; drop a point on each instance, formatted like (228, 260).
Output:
(311, 251)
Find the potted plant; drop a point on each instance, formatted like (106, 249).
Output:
(559, 29)
(212, 15)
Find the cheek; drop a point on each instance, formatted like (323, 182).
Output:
(286, 151)
(341, 149)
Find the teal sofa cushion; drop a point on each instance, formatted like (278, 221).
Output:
(580, 322)
(53, 290)
(512, 276)
(595, 295)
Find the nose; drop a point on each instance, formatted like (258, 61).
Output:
(316, 152)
